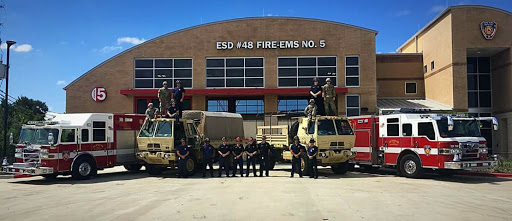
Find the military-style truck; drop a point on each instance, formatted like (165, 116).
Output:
(333, 134)
(159, 137)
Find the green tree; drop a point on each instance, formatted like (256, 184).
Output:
(20, 112)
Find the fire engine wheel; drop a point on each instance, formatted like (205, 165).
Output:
(83, 169)
(133, 167)
(190, 166)
(154, 170)
(410, 166)
(341, 168)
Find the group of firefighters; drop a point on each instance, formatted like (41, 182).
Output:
(253, 151)
(171, 102)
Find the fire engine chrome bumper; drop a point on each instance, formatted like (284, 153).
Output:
(34, 171)
(471, 165)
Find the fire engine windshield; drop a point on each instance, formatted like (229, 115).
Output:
(461, 128)
(38, 136)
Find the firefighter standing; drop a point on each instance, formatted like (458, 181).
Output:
(330, 98)
(238, 160)
(208, 151)
(252, 151)
(265, 153)
(179, 95)
(224, 157)
(310, 110)
(296, 151)
(316, 94)
(164, 96)
(183, 153)
(312, 153)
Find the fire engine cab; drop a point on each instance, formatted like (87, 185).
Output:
(77, 144)
(413, 140)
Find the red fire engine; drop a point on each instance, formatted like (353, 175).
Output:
(77, 144)
(415, 140)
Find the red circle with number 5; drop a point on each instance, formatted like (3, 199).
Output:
(99, 94)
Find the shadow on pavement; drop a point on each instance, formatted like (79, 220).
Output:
(99, 178)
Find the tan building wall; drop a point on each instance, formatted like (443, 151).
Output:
(394, 70)
(199, 43)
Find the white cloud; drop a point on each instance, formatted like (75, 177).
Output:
(403, 13)
(18, 48)
(437, 8)
(108, 49)
(131, 40)
(61, 82)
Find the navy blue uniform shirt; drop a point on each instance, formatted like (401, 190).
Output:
(312, 150)
(295, 148)
(264, 147)
(224, 149)
(251, 148)
(172, 110)
(237, 150)
(315, 89)
(178, 93)
(182, 149)
(207, 150)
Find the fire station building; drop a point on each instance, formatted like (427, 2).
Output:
(460, 61)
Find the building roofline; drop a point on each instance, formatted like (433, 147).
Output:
(399, 54)
(214, 23)
(440, 15)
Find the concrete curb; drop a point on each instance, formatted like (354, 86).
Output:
(501, 175)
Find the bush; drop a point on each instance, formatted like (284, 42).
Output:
(504, 166)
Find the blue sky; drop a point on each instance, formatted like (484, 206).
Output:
(60, 40)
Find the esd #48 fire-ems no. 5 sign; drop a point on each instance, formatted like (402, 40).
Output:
(99, 94)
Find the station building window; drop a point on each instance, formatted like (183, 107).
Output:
(152, 72)
(410, 88)
(300, 71)
(218, 105)
(479, 82)
(250, 106)
(352, 105)
(292, 104)
(352, 71)
(234, 72)
(236, 105)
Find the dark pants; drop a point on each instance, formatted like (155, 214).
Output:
(179, 105)
(238, 163)
(208, 162)
(319, 101)
(313, 168)
(296, 166)
(251, 161)
(264, 165)
(224, 164)
(182, 163)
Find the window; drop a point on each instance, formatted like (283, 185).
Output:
(410, 88)
(353, 103)
(432, 65)
(151, 73)
(99, 131)
(234, 72)
(300, 71)
(249, 106)
(426, 129)
(218, 105)
(425, 69)
(85, 135)
(393, 127)
(164, 129)
(406, 130)
(343, 127)
(479, 82)
(311, 127)
(292, 104)
(326, 127)
(352, 71)
(67, 136)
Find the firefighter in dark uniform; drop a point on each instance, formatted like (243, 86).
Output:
(183, 152)
(224, 152)
(173, 112)
(265, 153)
(252, 152)
(179, 95)
(238, 160)
(316, 94)
(312, 153)
(296, 151)
(208, 151)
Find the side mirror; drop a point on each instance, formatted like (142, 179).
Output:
(450, 123)
(494, 123)
(50, 139)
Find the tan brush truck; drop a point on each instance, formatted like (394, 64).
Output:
(333, 134)
(158, 138)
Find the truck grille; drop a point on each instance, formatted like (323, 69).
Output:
(153, 147)
(469, 150)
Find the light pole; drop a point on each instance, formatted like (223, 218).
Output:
(6, 103)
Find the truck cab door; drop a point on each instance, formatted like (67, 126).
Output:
(192, 135)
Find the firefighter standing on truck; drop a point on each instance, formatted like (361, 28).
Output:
(330, 98)
(264, 148)
(296, 151)
(183, 153)
(316, 94)
(252, 152)
(312, 152)
(208, 151)
(224, 152)
(238, 160)
(179, 95)
(164, 96)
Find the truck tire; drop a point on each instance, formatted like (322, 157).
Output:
(50, 176)
(271, 165)
(304, 164)
(341, 168)
(133, 167)
(83, 168)
(294, 129)
(410, 166)
(154, 170)
(190, 166)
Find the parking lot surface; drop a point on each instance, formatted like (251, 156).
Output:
(115, 194)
